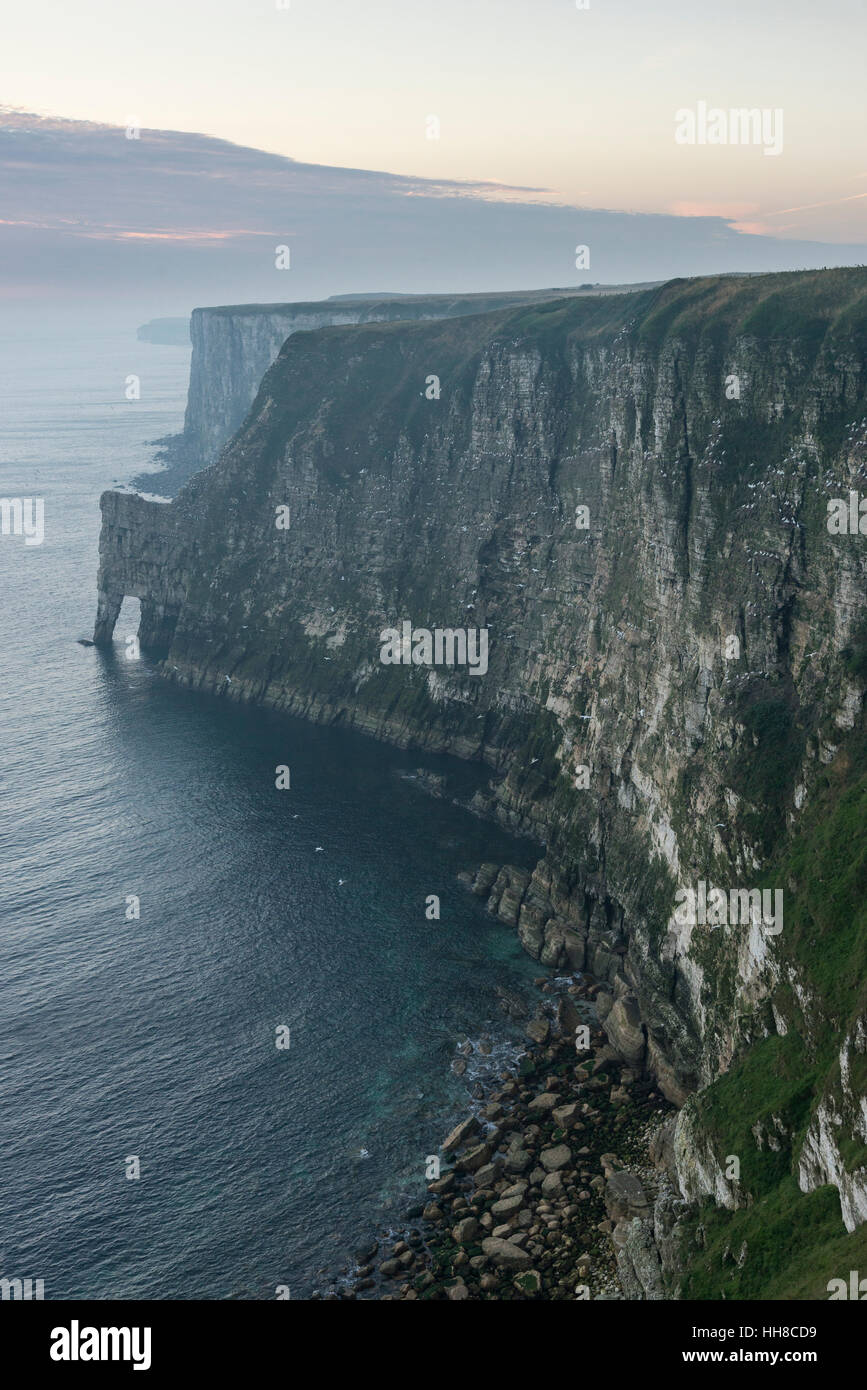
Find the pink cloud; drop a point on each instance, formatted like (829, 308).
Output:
(726, 210)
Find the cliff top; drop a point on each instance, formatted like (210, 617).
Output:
(798, 304)
(493, 297)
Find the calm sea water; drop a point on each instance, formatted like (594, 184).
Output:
(155, 1037)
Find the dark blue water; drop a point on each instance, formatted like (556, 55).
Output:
(155, 1037)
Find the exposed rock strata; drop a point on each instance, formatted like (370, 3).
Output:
(235, 344)
(705, 604)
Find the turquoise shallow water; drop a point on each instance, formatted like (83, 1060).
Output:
(155, 1037)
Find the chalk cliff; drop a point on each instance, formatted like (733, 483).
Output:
(631, 494)
(234, 345)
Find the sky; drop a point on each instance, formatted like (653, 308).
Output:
(541, 107)
(533, 93)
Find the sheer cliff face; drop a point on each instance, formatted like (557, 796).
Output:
(234, 346)
(687, 639)
(232, 350)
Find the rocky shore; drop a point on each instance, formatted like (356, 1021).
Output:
(551, 1187)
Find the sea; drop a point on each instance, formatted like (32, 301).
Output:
(228, 1020)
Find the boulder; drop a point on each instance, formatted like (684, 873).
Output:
(507, 1206)
(517, 1189)
(543, 1103)
(568, 1017)
(538, 1030)
(560, 1156)
(625, 1198)
(485, 879)
(638, 1263)
(466, 1231)
(442, 1185)
(518, 1160)
(552, 1184)
(529, 1283)
(604, 1004)
(488, 1174)
(625, 1030)
(460, 1134)
(505, 1253)
(475, 1158)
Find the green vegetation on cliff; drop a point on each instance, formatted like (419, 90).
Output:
(760, 1110)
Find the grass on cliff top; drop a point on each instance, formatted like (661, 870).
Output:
(793, 304)
(796, 1242)
(801, 304)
